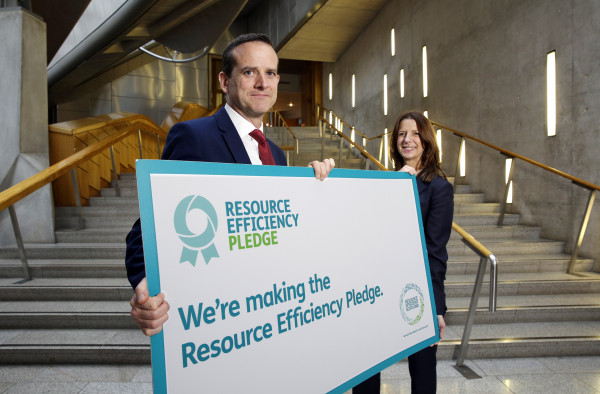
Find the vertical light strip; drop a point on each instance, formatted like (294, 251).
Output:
(426, 113)
(463, 159)
(385, 95)
(439, 142)
(393, 42)
(353, 90)
(551, 92)
(330, 86)
(385, 148)
(424, 71)
(402, 83)
(507, 165)
(352, 134)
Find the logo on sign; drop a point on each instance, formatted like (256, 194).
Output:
(412, 304)
(194, 243)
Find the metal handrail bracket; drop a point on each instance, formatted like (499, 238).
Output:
(114, 182)
(19, 239)
(582, 229)
(464, 346)
(81, 222)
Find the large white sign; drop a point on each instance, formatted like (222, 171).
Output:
(279, 282)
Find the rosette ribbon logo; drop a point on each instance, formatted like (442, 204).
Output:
(194, 243)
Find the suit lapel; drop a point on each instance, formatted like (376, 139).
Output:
(231, 137)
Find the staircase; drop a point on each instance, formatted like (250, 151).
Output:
(76, 308)
(541, 311)
(310, 148)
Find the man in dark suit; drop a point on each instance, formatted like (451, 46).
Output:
(233, 135)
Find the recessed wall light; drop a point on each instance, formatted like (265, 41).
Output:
(402, 83)
(353, 90)
(425, 71)
(551, 93)
(385, 95)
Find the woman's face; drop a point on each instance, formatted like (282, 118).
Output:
(409, 143)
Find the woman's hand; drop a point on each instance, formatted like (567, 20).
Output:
(408, 169)
(442, 326)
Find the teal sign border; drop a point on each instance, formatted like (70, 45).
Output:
(146, 168)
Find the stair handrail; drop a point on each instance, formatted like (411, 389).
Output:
(510, 154)
(591, 187)
(321, 108)
(274, 118)
(322, 119)
(484, 256)
(484, 253)
(365, 138)
(15, 193)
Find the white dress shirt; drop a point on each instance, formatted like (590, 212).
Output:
(244, 128)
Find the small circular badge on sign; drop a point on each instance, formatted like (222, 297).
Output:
(412, 304)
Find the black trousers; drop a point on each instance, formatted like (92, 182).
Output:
(423, 375)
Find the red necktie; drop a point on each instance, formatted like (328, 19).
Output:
(264, 152)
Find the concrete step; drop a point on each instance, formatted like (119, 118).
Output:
(130, 346)
(65, 213)
(124, 192)
(66, 289)
(112, 202)
(468, 219)
(97, 222)
(469, 198)
(68, 251)
(476, 208)
(116, 250)
(525, 314)
(524, 283)
(527, 308)
(462, 189)
(524, 340)
(93, 346)
(97, 235)
(499, 248)
(483, 232)
(516, 263)
(66, 314)
(115, 314)
(63, 268)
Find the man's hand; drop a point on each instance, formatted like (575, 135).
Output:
(149, 313)
(322, 168)
(442, 326)
(408, 169)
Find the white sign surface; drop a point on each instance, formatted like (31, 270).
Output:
(278, 281)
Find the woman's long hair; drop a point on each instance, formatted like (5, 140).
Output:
(430, 159)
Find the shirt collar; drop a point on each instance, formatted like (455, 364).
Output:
(242, 125)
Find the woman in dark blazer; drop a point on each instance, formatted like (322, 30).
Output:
(414, 150)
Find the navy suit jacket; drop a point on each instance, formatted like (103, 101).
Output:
(437, 210)
(211, 139)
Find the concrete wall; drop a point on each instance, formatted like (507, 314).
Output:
(487, 78)
(23, 110)
(150, 90)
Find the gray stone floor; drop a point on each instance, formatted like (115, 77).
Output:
(508, 375)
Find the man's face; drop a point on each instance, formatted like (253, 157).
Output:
(252, 88)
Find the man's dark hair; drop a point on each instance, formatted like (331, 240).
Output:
(229, 59)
